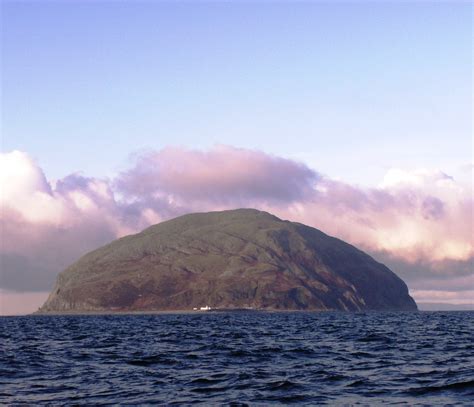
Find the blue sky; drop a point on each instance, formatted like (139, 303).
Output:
(137, 98)
(351, 89)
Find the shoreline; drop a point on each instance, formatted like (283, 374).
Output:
(203, 312)
(165, 312)
(188, 312)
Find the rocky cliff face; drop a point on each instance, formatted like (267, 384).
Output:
(231, 259)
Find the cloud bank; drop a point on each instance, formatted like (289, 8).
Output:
(418, 222)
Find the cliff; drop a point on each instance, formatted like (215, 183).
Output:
(230, 259)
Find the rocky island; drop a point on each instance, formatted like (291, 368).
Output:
(234, 259)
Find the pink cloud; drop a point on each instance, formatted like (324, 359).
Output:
(409, 224)
(450, 297)
(222, 175)
(419, 222)
(15, 303)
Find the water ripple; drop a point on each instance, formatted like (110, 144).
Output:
(245, 358)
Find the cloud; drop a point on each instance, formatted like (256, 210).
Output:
(397, 178)
(44, 226)
(223, 175)
(14, 303)
(413, 224)
(449, 297)
(25, 188)
(418, 222)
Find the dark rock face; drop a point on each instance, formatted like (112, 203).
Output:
(231, 259)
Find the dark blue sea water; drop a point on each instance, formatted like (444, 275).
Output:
(253, 358)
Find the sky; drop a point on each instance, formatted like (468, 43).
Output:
(353, 117)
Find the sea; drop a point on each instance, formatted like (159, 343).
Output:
(239, 358)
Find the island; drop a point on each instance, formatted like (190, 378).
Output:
(233, 259)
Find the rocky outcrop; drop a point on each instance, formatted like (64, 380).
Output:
(242, 258)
